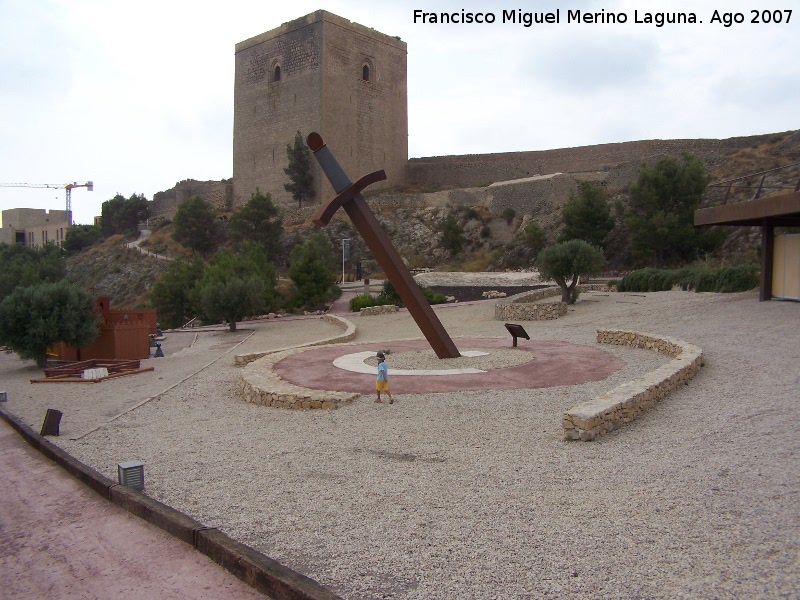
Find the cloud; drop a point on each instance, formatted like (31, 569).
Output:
(590, 64)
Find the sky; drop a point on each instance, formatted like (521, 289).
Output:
(136, 96)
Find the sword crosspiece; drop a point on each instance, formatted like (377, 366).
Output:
(348, 196)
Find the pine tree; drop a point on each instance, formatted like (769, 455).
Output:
(299, 171)
(587, 215)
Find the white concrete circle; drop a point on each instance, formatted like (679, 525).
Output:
(356, 363)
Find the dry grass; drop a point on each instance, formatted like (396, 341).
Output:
(753, 159)
(161, 242)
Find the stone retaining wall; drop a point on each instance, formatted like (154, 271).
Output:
(349, 334)
(525, 306)
(383, 309)
(531, 311)
(628, 401)
(258, 384)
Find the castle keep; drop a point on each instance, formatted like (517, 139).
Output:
(349, 83)
(318, 73)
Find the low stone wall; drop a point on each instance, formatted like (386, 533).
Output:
(628, 401)
(258, 384)
(525, 306)
(348, 335)
(543, 311)
(383, 309)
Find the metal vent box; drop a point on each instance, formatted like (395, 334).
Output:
(131, 474)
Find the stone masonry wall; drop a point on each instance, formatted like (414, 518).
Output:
(525, 306)
(623, 404)
(217, 193)
(477, 169)
(307, 75)
(384, 309)
(259, 384)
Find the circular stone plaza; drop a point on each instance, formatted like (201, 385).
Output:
(467, 486)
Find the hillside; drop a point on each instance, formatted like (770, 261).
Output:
(111, 269)
(492, 215)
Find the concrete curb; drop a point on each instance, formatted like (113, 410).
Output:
(257, 570)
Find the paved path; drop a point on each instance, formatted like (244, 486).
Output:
(143, 235)
(60, 539)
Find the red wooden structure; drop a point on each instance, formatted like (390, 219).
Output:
(124, 334)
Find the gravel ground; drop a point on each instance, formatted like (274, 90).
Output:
(475, 495)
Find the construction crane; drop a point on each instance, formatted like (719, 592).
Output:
(89, 185)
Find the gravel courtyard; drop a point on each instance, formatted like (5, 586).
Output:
(475, 494)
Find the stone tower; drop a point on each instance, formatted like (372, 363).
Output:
(318, 73)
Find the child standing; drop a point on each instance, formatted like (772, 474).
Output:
(382, 384)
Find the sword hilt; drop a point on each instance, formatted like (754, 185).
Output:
(330, 166)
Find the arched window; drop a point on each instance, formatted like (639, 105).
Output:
(365, 72)
(276, 74)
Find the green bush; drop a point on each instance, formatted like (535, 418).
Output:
(739, 278)
(390, 296)
(433, 297)
(362, 301)
(704, 280)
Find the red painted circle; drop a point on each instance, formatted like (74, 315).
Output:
(555, 363)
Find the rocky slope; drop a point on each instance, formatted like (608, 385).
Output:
(492, 218)
(111, 269)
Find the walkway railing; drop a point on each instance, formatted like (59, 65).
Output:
(746, 182)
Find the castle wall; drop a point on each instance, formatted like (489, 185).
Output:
(217, 193)
(480, 169)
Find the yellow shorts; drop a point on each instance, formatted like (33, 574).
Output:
(382, 386)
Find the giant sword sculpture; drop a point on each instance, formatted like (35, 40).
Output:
(348, 196)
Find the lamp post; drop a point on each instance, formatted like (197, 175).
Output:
(345, 254)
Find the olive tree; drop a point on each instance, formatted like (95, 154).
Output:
(36, 317)
(568, 261)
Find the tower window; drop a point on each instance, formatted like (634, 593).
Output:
(276, 74)
(365, 72)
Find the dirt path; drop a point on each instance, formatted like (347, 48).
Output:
(60, 539)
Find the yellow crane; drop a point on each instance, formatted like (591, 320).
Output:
(89, 185)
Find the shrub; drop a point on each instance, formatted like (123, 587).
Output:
(362, 301)
(704, 280)
(452, 234)
(509, 214)
(739, 278)
(433, 297)
(390, 296)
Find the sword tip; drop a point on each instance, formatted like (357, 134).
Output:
(314, 141)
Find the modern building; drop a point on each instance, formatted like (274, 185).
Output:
(780, 254)
(34, 227)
